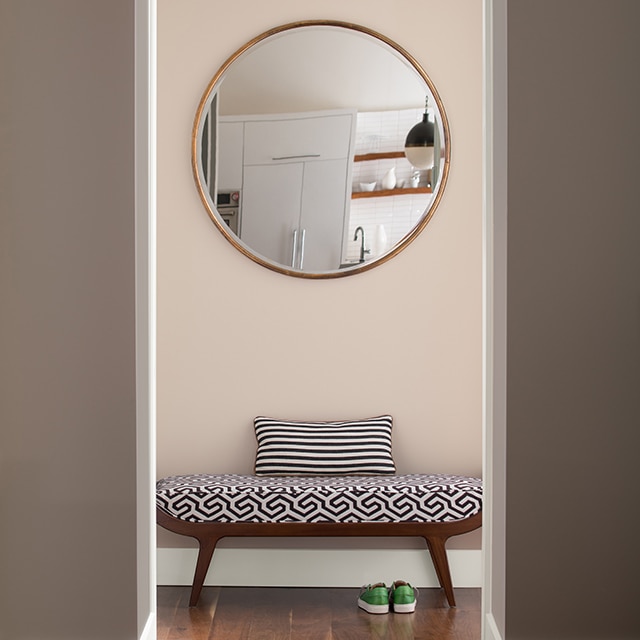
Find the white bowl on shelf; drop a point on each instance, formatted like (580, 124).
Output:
(367, 186)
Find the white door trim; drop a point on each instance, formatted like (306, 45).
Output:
(494, 315)
(145, 238)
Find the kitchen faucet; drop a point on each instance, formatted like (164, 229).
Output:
(362, 249)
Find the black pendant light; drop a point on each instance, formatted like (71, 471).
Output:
(419, 145)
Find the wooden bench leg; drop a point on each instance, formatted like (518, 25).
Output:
(438, 553)
(207, 547)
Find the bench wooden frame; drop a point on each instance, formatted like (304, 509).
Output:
(208, 534)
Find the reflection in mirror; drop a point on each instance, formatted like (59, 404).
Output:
(298, 149)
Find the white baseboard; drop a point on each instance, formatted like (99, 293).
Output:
(150, 631)
(490, 628)
(317, 567)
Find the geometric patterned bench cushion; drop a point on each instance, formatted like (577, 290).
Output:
(249, 498)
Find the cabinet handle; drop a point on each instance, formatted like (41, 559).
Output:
(294, 249)
(306, 155)
(304, 231)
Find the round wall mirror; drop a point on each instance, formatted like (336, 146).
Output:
(298, 149)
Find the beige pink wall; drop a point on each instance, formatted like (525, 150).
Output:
(236, 340)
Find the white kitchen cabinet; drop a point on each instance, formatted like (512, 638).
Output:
(271, 199)
(294, 213)
(324, 213)
(305, 137)
(230, 143)
(296, 188)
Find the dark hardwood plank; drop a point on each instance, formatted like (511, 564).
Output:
(193, 623)
(277, 613)
(311, 614)
(348, 622)
(234, 614)
(270, 613)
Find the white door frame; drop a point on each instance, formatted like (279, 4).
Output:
(145, 238)
(494, 316)
(494, 311)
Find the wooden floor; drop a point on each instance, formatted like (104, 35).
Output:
(275, 613)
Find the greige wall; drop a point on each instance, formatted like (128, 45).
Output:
(236, 340)
(67, 352)
(573, 388)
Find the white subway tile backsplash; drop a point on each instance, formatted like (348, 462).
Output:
(398, 215)
(381, 131)
(385, 220)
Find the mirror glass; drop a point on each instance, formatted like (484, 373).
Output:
(298, 149)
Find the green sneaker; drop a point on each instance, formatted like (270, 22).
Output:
(374, 598)
(402, 597)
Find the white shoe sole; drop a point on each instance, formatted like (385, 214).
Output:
(373, 608)
(404, 608)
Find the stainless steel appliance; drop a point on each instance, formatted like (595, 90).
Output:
(229, 208)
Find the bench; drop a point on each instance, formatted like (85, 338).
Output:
(211, 507)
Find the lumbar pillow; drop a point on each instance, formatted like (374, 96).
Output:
(353, 447)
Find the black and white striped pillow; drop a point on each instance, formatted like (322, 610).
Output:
(353, 447)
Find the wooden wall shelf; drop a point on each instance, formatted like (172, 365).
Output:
(383, 193)
(366, 157)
